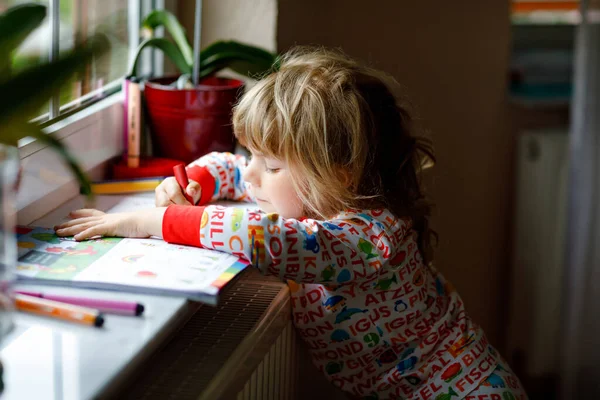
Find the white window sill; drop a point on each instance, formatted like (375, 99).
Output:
(93, 135)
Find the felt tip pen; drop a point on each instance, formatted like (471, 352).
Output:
(107, 306)
(50, 308)
(182, 179)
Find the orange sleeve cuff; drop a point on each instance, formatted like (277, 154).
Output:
(207, 182)
(181, 225)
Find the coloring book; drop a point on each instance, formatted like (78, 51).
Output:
(135, 265)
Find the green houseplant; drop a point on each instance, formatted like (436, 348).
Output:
(188, 121)
(22, 94)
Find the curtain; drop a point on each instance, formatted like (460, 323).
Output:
(580, 367)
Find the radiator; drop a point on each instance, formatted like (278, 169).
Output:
(538, 251)
(246, 348)
(276, 375)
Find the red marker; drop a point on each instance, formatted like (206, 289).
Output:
(182, 179)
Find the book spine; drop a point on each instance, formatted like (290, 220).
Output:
(146, 132)
(125, 88)
(134, 124)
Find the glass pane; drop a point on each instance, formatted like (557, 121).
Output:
(36, 48)
(80, 19)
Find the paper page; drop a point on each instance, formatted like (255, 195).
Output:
(155, 263)
(150, 263)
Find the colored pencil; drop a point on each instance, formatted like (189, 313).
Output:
(50, 308)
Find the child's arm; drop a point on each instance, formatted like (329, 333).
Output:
(87, 223)
(220, 177)
(330, 252)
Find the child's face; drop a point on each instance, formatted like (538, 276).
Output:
(272, 187)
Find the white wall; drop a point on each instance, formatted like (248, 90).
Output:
(253, 22)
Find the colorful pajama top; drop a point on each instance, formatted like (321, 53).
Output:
(376, 319)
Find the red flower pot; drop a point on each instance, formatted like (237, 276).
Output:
(188, 123)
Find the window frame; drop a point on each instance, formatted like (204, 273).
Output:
(92, 130)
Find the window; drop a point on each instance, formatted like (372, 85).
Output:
(69, 23)
(87, 114)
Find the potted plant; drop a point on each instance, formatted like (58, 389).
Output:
(188, 121)
(22, 94)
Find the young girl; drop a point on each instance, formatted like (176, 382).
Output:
(335, 172)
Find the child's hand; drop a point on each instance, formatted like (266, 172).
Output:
(169, 192)
(87, 223)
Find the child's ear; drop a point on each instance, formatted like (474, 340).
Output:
(344, 176)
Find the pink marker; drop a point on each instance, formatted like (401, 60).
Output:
(107, 306)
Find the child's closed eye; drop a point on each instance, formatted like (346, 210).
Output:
(272, 170)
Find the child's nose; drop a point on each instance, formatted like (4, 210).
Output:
(249, 175)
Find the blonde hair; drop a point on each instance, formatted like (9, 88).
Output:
(342, 132)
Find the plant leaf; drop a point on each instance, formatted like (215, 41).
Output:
(164, 18)
(249, 69)
(245, 59)
(241, 62)
(170, 51)
(232, 46)
(16, 24)
(26, 92)
(213, 68)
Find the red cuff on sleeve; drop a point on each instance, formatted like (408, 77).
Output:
(181, 225)
(206, 181)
